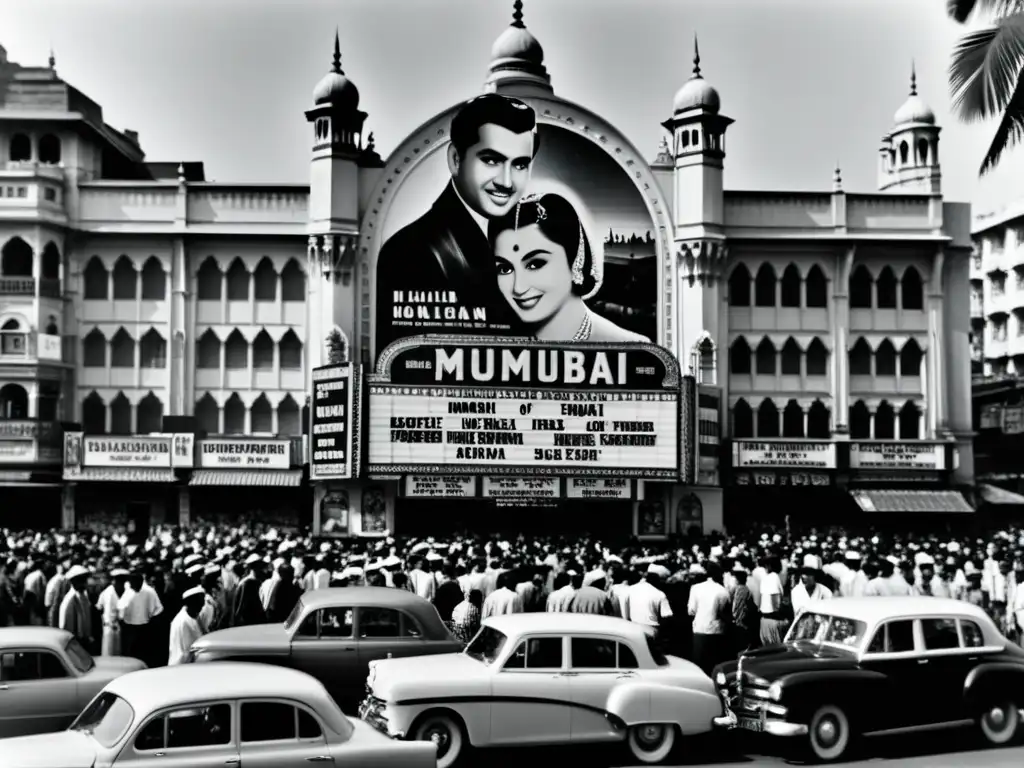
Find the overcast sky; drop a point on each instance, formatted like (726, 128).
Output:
(809, 82)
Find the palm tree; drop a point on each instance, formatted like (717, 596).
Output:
(985, 70)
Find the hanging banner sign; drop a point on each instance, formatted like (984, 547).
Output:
(112, 451)
(599, 488)
(440, 487)
(333, 427)
(783, 454)
(245, 454)
(509, 488)
(440, 405)
(924, 456)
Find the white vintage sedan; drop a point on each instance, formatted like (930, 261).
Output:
(542, 679)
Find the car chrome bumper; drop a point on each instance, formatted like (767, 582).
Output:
(772, 727)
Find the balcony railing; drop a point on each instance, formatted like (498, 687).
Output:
(26, 286)
(29, 345)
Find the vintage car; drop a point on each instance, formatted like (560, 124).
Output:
(213, 715)
(46, 677)
(532, 679)
(334, 634)
(852, 667)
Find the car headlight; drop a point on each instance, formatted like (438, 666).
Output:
(720, 679)
(775, 691)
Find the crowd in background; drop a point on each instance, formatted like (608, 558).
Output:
(706, 597)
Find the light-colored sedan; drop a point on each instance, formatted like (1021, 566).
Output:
(46, 677)
(542, 679)
(207, 715)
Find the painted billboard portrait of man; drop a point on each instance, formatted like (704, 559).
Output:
(493, 144)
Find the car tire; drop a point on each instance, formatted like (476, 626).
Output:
(651, 743)
(446, 732)
(999, 723)
(829, 734)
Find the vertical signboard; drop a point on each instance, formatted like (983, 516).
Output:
(334, 423)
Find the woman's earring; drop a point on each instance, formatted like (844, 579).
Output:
(577, 264)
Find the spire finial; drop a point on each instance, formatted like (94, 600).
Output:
(53, 59)
(837, 179)
(696, 56)
(517, 14)
(337, 54)
(913, 78)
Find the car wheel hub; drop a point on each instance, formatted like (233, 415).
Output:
(828, 732)
(996, 717)
(651, 735)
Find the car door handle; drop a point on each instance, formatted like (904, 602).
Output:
(567, 674)
(5, 687)
(159, 754)
(625, 674)
(922, 661)
(319, 759)
(233, 761)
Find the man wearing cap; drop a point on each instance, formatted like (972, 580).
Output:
(75, 611)
(810, 588)
(248, 608)
(856, 581)
(106, 604)
(185, 627)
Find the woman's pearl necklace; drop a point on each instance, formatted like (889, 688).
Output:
(583, 334)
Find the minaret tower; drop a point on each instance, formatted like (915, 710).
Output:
(909, 155)
(517, 61)
(333, 217)
(697, 144)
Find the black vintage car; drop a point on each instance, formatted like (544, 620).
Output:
(853, 667)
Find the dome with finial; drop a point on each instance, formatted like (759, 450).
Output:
(517, 42)
(914, 109)
(335, 88)
(696, 93)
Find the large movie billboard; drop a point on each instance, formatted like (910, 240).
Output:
(516, 227)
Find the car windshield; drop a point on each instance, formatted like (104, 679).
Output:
(827, 630)
(80, 658)
(487, 645)
(293, 617)
(105, 719)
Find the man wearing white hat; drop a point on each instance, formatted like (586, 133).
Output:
(185, 627)
(75, 610)
(106, 604)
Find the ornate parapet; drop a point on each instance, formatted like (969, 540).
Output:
(701, 261)
(332, 256)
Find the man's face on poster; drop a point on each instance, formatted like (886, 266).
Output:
(493, 173)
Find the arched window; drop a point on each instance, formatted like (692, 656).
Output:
(125, 281)
(739, 357)
(154, 280)
(912, 289)
(153, 350)
(122, 351)
(11, 325)
(816, 288)
(291, 351)
(265, 281)
(739, 286)
(49, 269)
(861, 288)
(910, 359)
(860, 358)
(21, 148)
(818, 426)
(885, 359)
(922, 151)
(208, 351)
(96, 280)
(791, 354)
(707, 365)
(885, 289)
(208, 415)
(790, 291)
(288, 423)
(304, 418)
(13, 402)
(234, 415)
(150, 415)
(764, 286)
(94, 415)
(742, 419)
(263, 352)
(49, 150)
(767, 419)
(238, 282)
(860, 421)
(210, 281)
(910, 422)
(94, 349)
(261, 416)
(236, 352)
(904, 152)
(817, 358)
(120, 415)
(293, 282)
(16, 258)
(766, 357)
(885, 421)
(793, 420)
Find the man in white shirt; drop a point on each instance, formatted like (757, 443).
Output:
(423, 583)
(106, 604)
(855, 582)
(809, 590)
(75, 610)
(773, 623)
(646, 603)
(185, 627)
(502, 600)
(711, 609)
(138, 606)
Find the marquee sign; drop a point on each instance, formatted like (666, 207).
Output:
(125, 451)
(244, 454)
(333, 428)
(472, 405)
(784, 454)
(896, 455)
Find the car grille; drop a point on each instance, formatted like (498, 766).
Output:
(749, 700)
(372, 711)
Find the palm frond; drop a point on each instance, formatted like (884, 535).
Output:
(1010, 132)
(985, 67)
(961, 10)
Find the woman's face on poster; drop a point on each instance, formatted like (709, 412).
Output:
(533, 273)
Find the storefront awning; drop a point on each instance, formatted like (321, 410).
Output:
(993, 494)
(264, 478)
(120, 475)
(911, 501)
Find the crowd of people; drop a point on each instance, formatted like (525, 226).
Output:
(707, 597)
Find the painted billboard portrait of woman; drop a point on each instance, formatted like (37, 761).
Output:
(547, 269)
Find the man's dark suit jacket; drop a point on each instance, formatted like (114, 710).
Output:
(443, 250)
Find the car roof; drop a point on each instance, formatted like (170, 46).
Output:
(46, 637)
(872, 610)
(518, 623)
(359, 596)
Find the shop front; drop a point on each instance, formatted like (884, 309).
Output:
(30, 473)
(248, 480)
